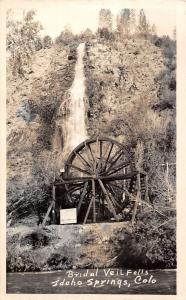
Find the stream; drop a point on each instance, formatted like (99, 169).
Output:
(94, 281)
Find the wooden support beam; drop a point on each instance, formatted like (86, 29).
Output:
(67, 194)
(48, 211)
(88, 210)
(52, 205)
(103, 178)
(94, 200)
(82, 196)
(118, 177)
(138, 199)
(108, 200)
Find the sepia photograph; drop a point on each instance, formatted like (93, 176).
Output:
(91, 148)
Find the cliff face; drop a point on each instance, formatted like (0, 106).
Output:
(32, 104)
(118, 75)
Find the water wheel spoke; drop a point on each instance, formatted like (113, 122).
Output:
(113, 161)
(79, 169)
(108, 156)
(118, 168)
(82, 196)
(90, 150)
(88, 155)
(108, 200)
(99, 166)
(96, 154)
(83, 160)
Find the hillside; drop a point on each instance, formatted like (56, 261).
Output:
(130, 96)
(121, 89)
(32, 103)
(118, 75)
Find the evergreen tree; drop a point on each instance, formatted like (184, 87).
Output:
(66, 36)
(47, 42)
(123, 22)
(143, 26)
(133, 20)
(105, 19)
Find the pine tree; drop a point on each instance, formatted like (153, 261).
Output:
(105, 19)
(143, 26)
(133, 20)
(123, 22)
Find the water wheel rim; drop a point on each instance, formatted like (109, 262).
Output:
(87, 143)
(96, 186)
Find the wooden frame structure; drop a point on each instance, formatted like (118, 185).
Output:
(100, 177)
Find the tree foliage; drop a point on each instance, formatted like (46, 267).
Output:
(66, 37)
(47, 42)
(143, 25)
(22, 40)
(105, 19)
(124, 22)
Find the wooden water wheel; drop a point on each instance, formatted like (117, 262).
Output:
(100, 180)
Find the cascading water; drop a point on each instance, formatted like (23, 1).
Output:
(71, 118)
(75, 124)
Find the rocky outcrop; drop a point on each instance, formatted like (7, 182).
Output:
(118, 74)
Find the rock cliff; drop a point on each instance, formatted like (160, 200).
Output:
(118, 75)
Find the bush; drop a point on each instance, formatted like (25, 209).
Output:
(47, 42)
(152, 243)
(105, 34)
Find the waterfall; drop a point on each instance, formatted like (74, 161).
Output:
(71, 127)
(75, 124)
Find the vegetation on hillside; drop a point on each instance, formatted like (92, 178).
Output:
(141, 117)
